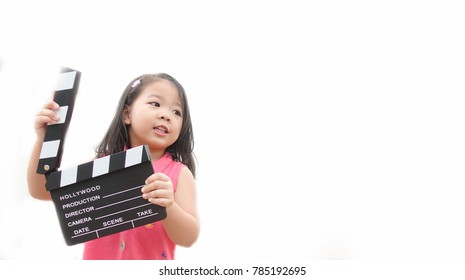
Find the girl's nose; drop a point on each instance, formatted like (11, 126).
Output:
(164, 116)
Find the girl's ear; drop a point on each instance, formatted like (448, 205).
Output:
(126, 115)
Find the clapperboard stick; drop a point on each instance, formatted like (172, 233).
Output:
(100, 197)
(65, 95)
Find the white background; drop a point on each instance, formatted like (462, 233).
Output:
(323, 129)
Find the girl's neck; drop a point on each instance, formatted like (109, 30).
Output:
(157, 154)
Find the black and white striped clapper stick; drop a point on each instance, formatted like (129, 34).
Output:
(65, 94)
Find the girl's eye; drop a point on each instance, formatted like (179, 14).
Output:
(156, 104)
(176, 112)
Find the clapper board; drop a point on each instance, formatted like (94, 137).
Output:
(100, 197)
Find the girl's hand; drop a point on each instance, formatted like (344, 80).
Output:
(158, 190)
(45, 117)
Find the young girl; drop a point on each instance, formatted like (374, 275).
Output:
(153, 110)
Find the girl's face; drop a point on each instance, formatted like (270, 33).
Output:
(155, 117)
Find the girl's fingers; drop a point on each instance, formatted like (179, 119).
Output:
(51, 105)
(162, 186)
(44, 120)
(45, 117)
(157, 181)
(158, 193)
(164, 202)
(48, 113)
(157, 177)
